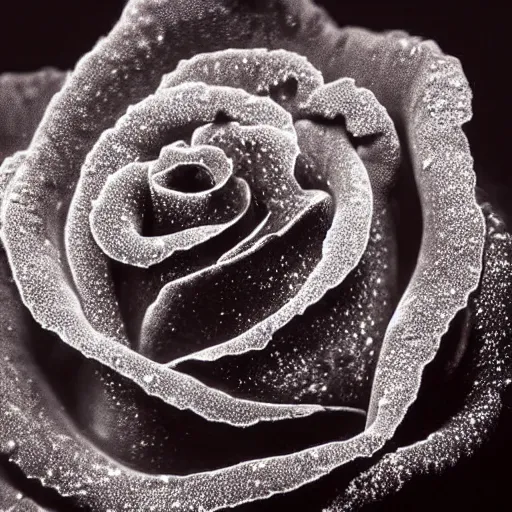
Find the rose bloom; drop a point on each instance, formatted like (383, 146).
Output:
(212, 297)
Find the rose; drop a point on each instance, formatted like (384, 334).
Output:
(55, 223)
(373, 154)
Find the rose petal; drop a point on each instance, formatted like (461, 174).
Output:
(328, 354)
(288, 78)
(364, 117)
(449, 262)
(268, 166)
(148, 435)
(342, 248)
(23, 100)
(489, 373)
(236, 296)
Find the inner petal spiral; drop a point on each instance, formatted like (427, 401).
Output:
(181, 219)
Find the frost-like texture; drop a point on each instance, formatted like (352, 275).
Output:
(488, 375)
(208, 223)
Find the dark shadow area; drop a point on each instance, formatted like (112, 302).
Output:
(148, 435)
(284, 91)
(188, 178)
(34, 490)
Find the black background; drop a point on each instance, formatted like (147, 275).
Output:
(40, 33)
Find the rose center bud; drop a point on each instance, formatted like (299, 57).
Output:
(191, 187)
(177, 218)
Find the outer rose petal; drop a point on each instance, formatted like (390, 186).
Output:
(486, 375)
(433, 102)
(23, 100)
